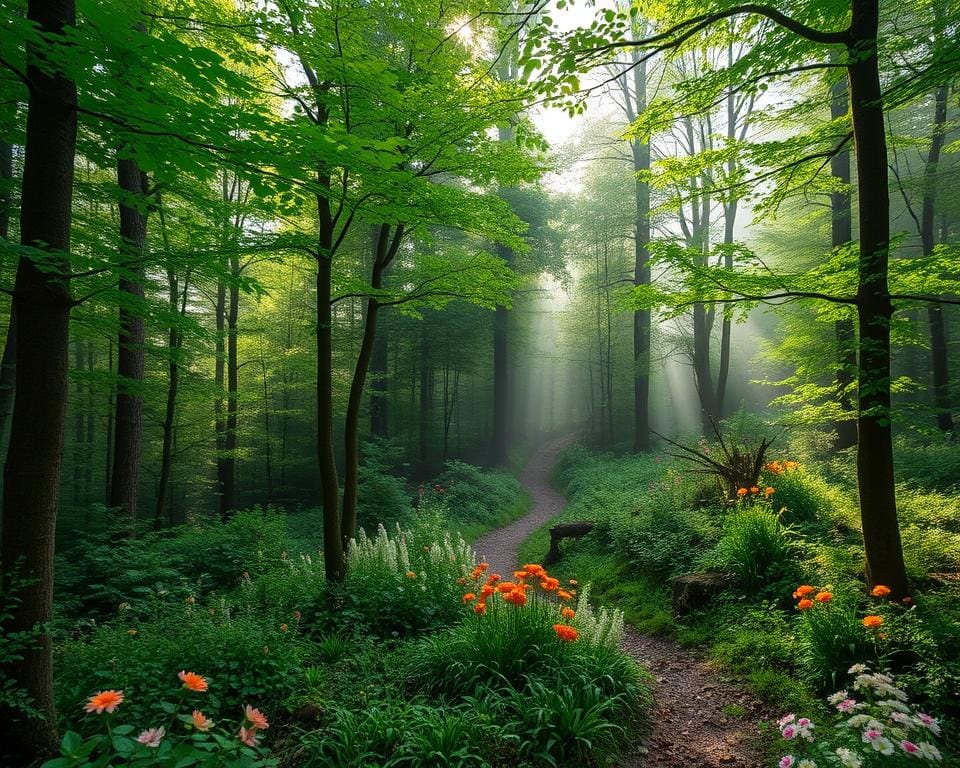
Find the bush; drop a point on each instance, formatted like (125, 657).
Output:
(807, 497)
(406, 582)
(477, 496)
(754, 547)
(831, 637)
(382, 497)
(935, 466)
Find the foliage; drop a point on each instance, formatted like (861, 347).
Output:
(185, 739)
(13, 698)
(477, 496)
(754, 546)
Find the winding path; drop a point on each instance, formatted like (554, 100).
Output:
(698, 720)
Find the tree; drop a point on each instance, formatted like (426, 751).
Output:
(42, 305)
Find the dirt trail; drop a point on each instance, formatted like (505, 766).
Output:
(698, 720)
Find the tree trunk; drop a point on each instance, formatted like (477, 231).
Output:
(128, 428)
(228, 495)
(426, 396)
(268, 469)
(841, 234)
(500, 439)
(79, 424)
(43, 302)
(8, 368)
(878, 506)
(170, 411)
(219, 380)
(938, 331)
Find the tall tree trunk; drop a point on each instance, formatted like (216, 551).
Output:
(938, 331)
(108, 461)
(729, 224)
(842, 233)
(8, 367)
(79, 424)
(43, 302)
(500, 439)
(219, 380)
(229, 496)
(170, 410)
(878, 506)
(388, 242)
(426, 397)
(128, 431)
(90, 437)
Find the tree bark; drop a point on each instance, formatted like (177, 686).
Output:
(875, 478)
(43, 303)
(128, 430)
(500, 439)
(229, 496)
(387, 245)
(8, 367)
(841, 230)
(938, 331)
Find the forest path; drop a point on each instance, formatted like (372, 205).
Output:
(698, 720)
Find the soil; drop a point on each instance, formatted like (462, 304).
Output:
(699, 719)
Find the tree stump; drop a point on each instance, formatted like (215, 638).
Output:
(695, 590)
(565, 531)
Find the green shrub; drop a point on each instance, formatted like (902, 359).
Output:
(831, 638)
(479, 496)
(934, 466)
(755, 637)
(754, 547)
(383, 497)
(806, 497)
(406, 582)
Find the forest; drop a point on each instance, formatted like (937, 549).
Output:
(479, 383)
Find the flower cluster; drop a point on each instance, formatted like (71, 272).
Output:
(754, 490)
(151, 743)
(779, 467)
(516, 592)
(874, 722)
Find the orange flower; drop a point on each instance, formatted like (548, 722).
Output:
(255, 718)
(480, 608)
(411, 575)
(754, 489)
(804, 604)
(485, 591)
(824, 597)
(567, 613)
(201, 722)
(193, 681)
(494, 578)
(506, 586)
(549, 584)
(516, 596)
(469, 598)
(880, 590)
(104, 701)
(521, 575)
(482, 567)
(768, 492)
(803, 590)
(791, 465)
(872, 622)
(741, 492)
(774, 467)
(534, 570)
(564, 595)
(565, 632)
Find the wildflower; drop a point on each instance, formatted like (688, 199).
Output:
(567, 613)
(880, 743)
(803, 590)
(248, 737)
(804, 604)
(494, 578)
(806, 763)
(786, 719)
(774, 467)
(848, 758)
(549, 584)
(754, 490)
(461, 581)
(907, 600)
(837, 697)
(857, 669)
(469, 598)
(201, 722)
(741, 492)
(786, 761)
(880, 590)
(296, 615)
(929, 723)
(284, 627)
(482, 567)
(847, 705)
(190, 600)
(929, 752)
(152, 737)
(572, 582)
(480, 608)
(789, 732)
(255, 718)
(193, 681)
(824, 597)
(516, 597)
(520, 575)
(506, 586)
(565, 632)
(534, 570)
(104, 701)
(564, 595)
(131, 632)
(411, 575)
(909, 747)
(790, 465)
(485, 591)
(768, 492)
(872, 622)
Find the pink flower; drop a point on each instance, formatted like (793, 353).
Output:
(786, 719)
(803, 722)
(249, 737)
(789, 732)
(152, 737)
(256, 719)
(847, 705)
(909, 747)
(786, 761)
(872, 735)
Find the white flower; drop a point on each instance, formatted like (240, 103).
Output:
(838, 697)
(789, 732)
(929, 751)
(786, 719)
(856, 669)
(900, 717)
(152, 737)
(894, 705)
(857, 721)
(849, 758)
(929, 723)
(806, 763)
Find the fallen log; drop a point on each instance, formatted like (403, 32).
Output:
(565, 531)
